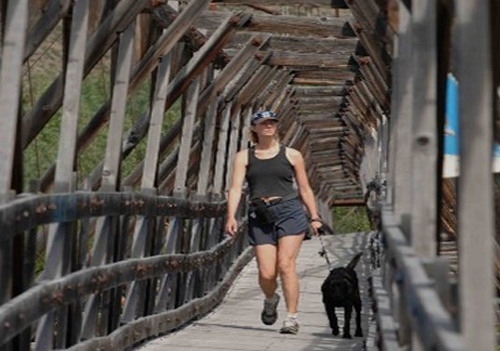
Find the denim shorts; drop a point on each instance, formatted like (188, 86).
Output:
(290, 220)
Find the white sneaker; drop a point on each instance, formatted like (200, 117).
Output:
(290, 326)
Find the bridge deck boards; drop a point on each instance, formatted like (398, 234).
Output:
(235, 324)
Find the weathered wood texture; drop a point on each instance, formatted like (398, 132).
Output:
(476, 180)
(326, 3)
(14, 36)
(213, 332)
(295, 25)
(329, 78)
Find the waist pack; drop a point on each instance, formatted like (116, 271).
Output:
(261, 211)
(261, 208)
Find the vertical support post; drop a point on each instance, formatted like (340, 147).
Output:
(72, 95)
(207, 149)
(181, 174)
(110, 175)
(402, 116)
(245, 132)
(10, 88)
(14, 34)
(58, 244)
(475, 202)
(186, 138)
(424, 138)
(233, 144)
(150, 170)
(201, 227)
(112, 159)
(221, 158)
(148, 182)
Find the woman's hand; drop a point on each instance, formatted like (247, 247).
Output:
(316, 225)
(231, 227)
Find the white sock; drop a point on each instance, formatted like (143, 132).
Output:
(292, 315)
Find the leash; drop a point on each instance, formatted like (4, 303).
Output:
(323, 252)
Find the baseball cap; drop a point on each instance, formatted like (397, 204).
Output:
(263, 115)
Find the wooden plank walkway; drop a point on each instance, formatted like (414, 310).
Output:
(235, 324)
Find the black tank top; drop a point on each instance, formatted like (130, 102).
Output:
(269, 177)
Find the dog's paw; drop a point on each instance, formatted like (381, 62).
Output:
(346, 336)
(358, 333)
(335, 331)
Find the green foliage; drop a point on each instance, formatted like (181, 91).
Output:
(350, 219)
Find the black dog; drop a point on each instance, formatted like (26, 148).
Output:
(341, 289)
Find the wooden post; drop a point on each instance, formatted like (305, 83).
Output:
(221, 157)
(402, 116)
(475, 200)
(10, 89)
(233, 144)
(207, 149)
(105, 225)
(58, 243)
(186, 138)
(113, 154)
(424, 138)
(149, 178)
(14, 33)
(149, 173)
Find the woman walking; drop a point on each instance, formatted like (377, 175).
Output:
(277, 221)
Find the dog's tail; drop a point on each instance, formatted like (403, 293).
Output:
(354, 261)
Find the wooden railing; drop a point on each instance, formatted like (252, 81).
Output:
(421, 303)
(137, 291)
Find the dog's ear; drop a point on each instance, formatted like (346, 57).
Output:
(354, 261)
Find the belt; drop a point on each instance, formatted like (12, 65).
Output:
(278, 200)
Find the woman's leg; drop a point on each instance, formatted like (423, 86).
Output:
(266, 262)
(288, 249)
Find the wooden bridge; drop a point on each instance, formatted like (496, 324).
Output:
(118, 119)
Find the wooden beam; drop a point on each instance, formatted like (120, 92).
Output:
(150, 171)
(301, 45)
(335, 76)
(195, 39)
(97, 46)
(424, 130)
(227, 74)
(203, 58)
(221, 156)
(176, 87)
(50, 16)
(71, 104)
(207, 148)
(10, 89)
(322, 61)
(305, 91)
(113, 155)
(186, 138)
(264, 9)
(476, 207)
(261, 78)
(295, 25)
(338, 4)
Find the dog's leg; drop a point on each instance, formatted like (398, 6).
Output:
(357, 308)
(332, 318)
(347, 322)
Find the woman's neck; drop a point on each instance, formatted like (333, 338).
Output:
(266, 143)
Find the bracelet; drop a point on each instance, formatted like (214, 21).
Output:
(315, 220)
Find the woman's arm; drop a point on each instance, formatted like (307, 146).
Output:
(305, 190)
(234, 194)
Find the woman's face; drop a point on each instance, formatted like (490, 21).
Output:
(266, 128)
